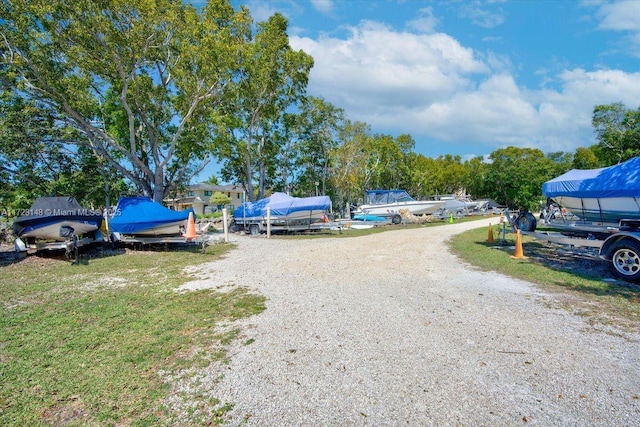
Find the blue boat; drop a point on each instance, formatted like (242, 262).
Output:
(141, 216)
(605, 195)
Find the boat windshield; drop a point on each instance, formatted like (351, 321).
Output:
(380, 197)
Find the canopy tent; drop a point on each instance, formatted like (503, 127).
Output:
(622, 180)
(136, 214)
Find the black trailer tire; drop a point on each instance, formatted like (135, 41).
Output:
(526, 222)
(234, 227)
(625, 260)
(396, 219)
(254, 229)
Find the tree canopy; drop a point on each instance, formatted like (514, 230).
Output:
(102, 98)
(137, 82)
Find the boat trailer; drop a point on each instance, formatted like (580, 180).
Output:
(618, 244)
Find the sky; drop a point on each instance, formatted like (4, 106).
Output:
(469, 77)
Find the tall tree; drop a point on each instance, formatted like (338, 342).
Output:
(273, 78)
(316, 130)
(37, 161)
(585, 158)
(618, 131)
(140, 80)
(517, 174)
(350, 173)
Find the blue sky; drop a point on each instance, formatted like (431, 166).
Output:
(469, 77)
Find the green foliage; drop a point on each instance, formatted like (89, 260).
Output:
(219, 199)
(618, 132)
(271, 79)
(111, 72)
(585, 158)
(516, 176)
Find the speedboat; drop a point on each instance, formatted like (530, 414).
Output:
(56, 219)
(603, 196)
(141, 216)
(389, 203)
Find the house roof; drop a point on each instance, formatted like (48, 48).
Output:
(211, 187)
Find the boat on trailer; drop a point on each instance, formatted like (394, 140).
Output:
(141, 217)
(389, 203)
(602, 196)
(282, 212)
(598, 208)
(51, 222)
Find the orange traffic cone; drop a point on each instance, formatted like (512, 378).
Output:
(518, 253)
(191, 228)
(490, 235)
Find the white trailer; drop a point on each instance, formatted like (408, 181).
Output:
(618, 244)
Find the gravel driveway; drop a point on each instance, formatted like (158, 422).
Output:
(391, 329)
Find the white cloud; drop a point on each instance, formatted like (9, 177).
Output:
(425, 22)
(377, 67)
(323, 6)
(623, 16)
(620, 16)
(480, 15)
(434, 88)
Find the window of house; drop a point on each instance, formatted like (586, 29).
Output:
(190, 193)
(207, 193)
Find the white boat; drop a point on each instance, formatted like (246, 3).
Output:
(389, 203)
(605, 195)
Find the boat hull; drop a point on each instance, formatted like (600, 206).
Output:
(174, 228)
(609, 210)
(426, 207)
(294, 219)
(50, 230)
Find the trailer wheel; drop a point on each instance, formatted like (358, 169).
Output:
(254, 229)
(396, 219)
(526, 222)
(234, 227)
(625, 260)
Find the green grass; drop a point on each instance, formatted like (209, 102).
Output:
(579, 281)
(352, 232)
(85, 344)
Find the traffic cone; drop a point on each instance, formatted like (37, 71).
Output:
(450, 218)
(191, 228)
(490, 235)
(518, 253)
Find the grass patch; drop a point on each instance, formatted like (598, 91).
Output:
(85, 344)
(578, 278)
(352, 232)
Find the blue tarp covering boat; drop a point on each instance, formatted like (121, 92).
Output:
(282, 205)
(622, 180)
(143, 216)
(600, 195)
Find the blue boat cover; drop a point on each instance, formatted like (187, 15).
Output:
(134, 214)
(281, 204)
(622, 180)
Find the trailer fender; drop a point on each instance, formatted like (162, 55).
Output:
(622, 250)
(614, 238)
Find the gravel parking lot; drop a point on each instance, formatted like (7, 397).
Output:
(391, 329)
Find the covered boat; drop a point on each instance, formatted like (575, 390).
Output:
(388, 203)
(285, 210)
(56, 219)
(141, 216)
(604, 195)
